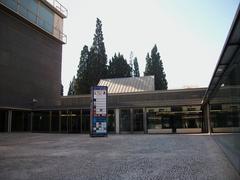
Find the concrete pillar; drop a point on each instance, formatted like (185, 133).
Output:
(208, 118)
(131, 120)
(145, 121)
(59, 127)
(117, 113)
(50, 121)
(9, 121)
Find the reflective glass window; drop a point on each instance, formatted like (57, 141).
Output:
(28, 8)
(46, 17)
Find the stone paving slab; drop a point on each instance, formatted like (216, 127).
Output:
(75, 156)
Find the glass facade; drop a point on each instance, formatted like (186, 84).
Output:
(224, 113)
(64, 121)
(85, 120)
(55, 121)
(180, 119)
(21, 121)
(159, 120)
(28, 9)
(3, 121)
(71, 121)
(38, 13)
(125, 122)
(11, 4)
(45, 19)
(175, 119)
(40, 122)
(138, 120)
(225, 104)
(75, 121)
(111, 121)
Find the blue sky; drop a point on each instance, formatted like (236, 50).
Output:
(189, 34)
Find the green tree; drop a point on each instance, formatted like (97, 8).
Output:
(136, 68)
(97, 57)
(71, 90)
(118, 67)
(154, 66)
(148, 67)
(131, 63)
(82, 80)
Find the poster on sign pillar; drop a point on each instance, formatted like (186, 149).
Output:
(98, 123)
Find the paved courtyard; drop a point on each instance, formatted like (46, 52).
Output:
(75, 156)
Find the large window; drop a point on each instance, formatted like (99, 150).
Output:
(12, 4)
(175, 119)
(85, 120)
(225, 105)
(189, 120)
(159, 120)
(64, 121)
(34, 11)
(3, 121)
(29, 9)
(45, 18)
(111, 120)
(75, 122)
(55, 121)
(21, 121)
(41, 121)
(138, 119)
(125, 121)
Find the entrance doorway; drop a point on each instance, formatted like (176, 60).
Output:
(138, 120)
(3, 121)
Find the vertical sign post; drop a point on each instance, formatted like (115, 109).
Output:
(98, 123)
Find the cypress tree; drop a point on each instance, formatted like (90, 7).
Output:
(82, 81)
(71, 90)
(154, 66)
(131, 63)
(148, 67)
(97, 57)
(136, 68)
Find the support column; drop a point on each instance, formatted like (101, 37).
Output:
(208, 118)
(145, 121)
(50, 121)
(59, 125)
(31, 121)
(117, 121)
(131, 120)
(9, 121)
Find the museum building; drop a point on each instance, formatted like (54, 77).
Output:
(31, 33)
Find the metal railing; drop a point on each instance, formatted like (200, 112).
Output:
(34, 18)
(59, 7)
